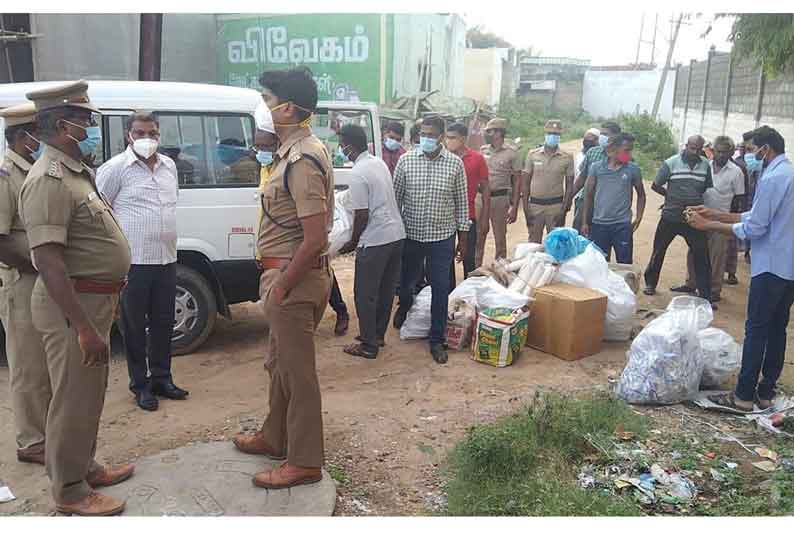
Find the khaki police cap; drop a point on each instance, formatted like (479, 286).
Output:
(553, 127)
(496, 124)
(67, 95)
(18, 115)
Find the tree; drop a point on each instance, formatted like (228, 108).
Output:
(479, 38)
(766, 37)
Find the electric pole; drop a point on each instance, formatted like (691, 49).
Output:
(653, 41)
(639, 40)
(663, 79)
(150, 47)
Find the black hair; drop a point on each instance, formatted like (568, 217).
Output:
(396, 127)
(415, 132)
(628, 137)
(459, 128)
(355, 136)
(723, 140)
(295, 85)
(500, 130)
(13, 132)
(610, 126)
(142, 116)
(616, 140)
(766, 135)
(47, 120)
(748, 136)
(435, 121)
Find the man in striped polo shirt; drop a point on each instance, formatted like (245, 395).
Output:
(682, 180)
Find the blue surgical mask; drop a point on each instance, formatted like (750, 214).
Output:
(552, 140)
(603, 140)
(88, 146)
(37, 153)
(754, 165)
(428, 144)
(264, 157)
(391, 144)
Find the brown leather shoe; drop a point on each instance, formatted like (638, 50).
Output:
(93, 504)
(255, 444)
(34, 454)
(287, 476)
(108, 476)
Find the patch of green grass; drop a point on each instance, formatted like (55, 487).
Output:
(339, 474)
(525, 464)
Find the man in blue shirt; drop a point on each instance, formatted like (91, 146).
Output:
(769, 225)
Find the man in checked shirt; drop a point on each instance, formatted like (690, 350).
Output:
(431, 192)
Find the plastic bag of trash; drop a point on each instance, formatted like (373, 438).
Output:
(562, 243)
(499, 336)
(467, 290)
(721, 356)
(522, 250)
(492, 295)
(691, 312)
(665, 365)
(590, 270)
(418, 320)
(342, 230)
(460, 322)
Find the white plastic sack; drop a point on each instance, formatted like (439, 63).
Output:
(418, 320)
(665, 364)
(492, 295)
(721, 357)
(467, 291)
(522, 250)
(342, 230)
(590, 270)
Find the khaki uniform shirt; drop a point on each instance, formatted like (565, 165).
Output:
(12, 175)
(502, 165)
(60, 204)
(548, 172)
(311, 192)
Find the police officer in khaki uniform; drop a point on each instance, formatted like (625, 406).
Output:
(298, 209)
(30, 381)
(548, 176)
(504, 171)
(83, 258)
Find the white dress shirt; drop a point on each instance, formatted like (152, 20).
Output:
(144, 202)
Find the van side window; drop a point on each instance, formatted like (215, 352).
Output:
(327, 123)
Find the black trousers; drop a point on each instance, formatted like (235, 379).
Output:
(471, 253)
(147, 319)
(377, 274)
(336, 301)
(668, 230)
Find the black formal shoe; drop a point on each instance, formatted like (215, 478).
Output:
(683, 289)
(399, 318)
(438, 353)
(169, 391)
(146, 400)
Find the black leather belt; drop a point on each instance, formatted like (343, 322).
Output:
(546, 201)
(497, 193)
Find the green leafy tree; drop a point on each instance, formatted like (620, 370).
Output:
(767, 37)
(479, 38)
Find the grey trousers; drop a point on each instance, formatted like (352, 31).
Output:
(377, 276)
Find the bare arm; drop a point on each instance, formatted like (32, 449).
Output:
(662, 191)
(639, 188)
(485, 192)
(589, 197)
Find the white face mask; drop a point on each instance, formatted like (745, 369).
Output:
(145, 147)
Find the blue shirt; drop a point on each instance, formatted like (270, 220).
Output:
(770, 222)
(613, 191)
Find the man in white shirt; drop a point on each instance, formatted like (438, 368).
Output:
(378, 235)
(141, 185)
(728, 179)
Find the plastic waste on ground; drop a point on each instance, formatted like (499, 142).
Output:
(467, 291)
(342, 230)
(590, 270)
(721, 357)
(564, 244)
(522, 250)
(460, 323)
(535, 271)
(664, 362)
(418, 320)
(492, 295)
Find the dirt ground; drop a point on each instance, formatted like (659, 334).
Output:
(388, 423)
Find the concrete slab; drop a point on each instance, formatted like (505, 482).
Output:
(214, 479)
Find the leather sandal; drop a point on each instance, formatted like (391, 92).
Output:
(34, 454)
(728, 400)
(255, 444)
(94, 504)
(108, 476)
(287, 476)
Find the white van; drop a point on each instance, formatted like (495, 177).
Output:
(208, 131)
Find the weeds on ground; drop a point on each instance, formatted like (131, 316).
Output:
(526, 464)
(654, 142)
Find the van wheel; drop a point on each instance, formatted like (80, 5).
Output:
(195, 311)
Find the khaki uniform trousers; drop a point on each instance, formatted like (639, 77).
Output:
(500, 208)
(78, 392)
(718, 255)
(295, 424)
(540, 217)
(27, 363)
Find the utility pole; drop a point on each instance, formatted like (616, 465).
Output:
(653, 41)
(639, 40)
(663, 79)
(150, 47)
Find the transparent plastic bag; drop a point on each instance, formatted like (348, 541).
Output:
(467, 290)
(721, 356)
(492, 295)
(418, 320)
(342, 231)
(665, 364)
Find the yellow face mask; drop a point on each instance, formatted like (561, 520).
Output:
(303, 124)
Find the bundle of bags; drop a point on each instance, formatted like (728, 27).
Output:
(342, 231)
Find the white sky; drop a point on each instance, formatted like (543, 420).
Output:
(597, 35)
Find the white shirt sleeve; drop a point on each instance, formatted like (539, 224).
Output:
(359, 192)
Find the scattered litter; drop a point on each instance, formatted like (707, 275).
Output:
(721, 356)
(732, 466)
(766, 453)
(6, 495)
(716, 475)
(711, 455)
(787, 465)
(625, 435)
(621, 483)
(766, 466)
(360, 506)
